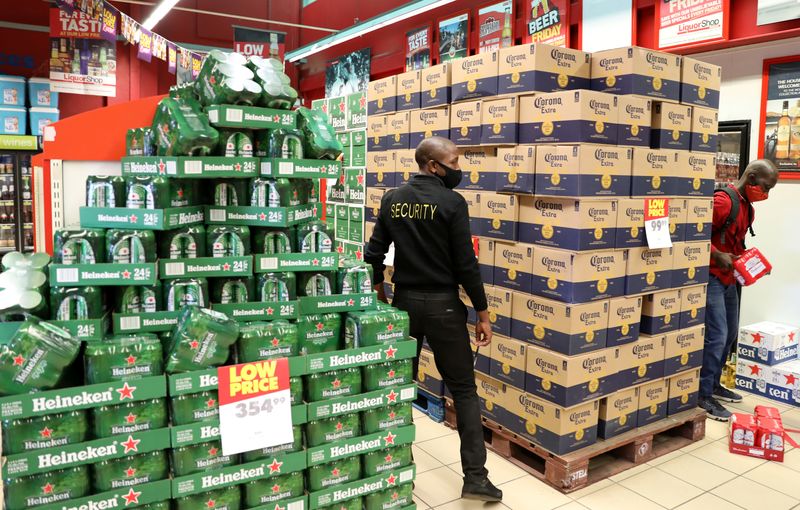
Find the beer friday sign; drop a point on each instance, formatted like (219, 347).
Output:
(547, 21)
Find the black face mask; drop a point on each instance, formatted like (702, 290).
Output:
(451, 178)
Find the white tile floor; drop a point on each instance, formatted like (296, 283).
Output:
(702, 476)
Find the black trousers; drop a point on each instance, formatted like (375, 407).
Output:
(441, 319)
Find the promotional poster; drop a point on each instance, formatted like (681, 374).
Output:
(781, 115)
(418, 48)
(261, 43)
(679, 23)
(547, 21)
(774, 11)
(496, 26)
(454, 37)
(348, 74)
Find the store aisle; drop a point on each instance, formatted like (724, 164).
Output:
(702, 476)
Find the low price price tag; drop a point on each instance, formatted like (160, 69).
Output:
(254, 406)
(656, 223)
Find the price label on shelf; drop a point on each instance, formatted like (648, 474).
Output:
(656, 223)
(254, 406)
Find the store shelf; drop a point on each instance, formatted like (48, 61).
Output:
(300, 168)
(261, 216)
(148, 219)
(212, 167)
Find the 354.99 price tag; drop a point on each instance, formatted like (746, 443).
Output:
(656, 223)
(255, 406)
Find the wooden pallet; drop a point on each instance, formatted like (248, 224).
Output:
(601, 460)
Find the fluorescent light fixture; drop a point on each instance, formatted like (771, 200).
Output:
(388, 18)
(160, 11)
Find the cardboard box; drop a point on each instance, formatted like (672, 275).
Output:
(768, 342)
(572, 224)
(752, 377)
(486, 258)
(499, 301)
(684, 350)
(578, 277)
(357, 112)
(358, 155)
(705, 124)
(428, 123)
(474, 77)
(369, 228)
(382, 95)
(579, 116)
(630, 223)
(465, 123)
(471, 314)
(354, 185)
(693, 306)
(570, 380)
(638, 71)
(635, 119)
(698, 173)
(342, 228)
(690, 263)
(648, 270)
(563, 328)
(784, 383)
(661, 312)
(513, 266)
(624, 320)
(677, 219)
(359, 137)
(684, 390)
(642, 361)
(372, 207)
(381, 167)
(357, 224)
(672, 126)
(654, 172)
(499, 121)
(398, 131)
(377, 131)
(337, 113)
(499, 214)
(618, 413)
(479, 165)
(516, 169)
(481, 356)
(542, 68)
(428, 375)
(583, 171)
(436, 85)
(700, 83)
(507, 361)
(409, 87)
(653, 399)
(492, 396)
(406, 166)
(699, 213)
(330, 216)
(473, 200)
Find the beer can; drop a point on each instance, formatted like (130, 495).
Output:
(323, 476)
(267, 453)
(147, 192)
(267, 340)
(45, 431)
(232, 290)
(266, 192)
(385, 418)
(277, 287)
(185, 291)
(314, 237)
(129, 417)
(187, 460)
(47, 488)
(333, 384)
(125, 246)
(326, 430)
(228, 498)
(105, 191)
(228, 240)
(123, 357)
(273, 241)
(194, 407)
(320, 333)
(79, 246)
(138, 298)
(183, 243)
(383, 461)
(389, 374)
(283, 143)
(274, 489)
(316, 284)
(228, 192)
(354, 279)
(390, 499)
(130, 471)
(76, 303)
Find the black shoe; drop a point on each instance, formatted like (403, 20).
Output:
(726, 395)
(482, 490)
(714, 409)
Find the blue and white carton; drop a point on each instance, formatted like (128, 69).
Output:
(40, 93)
(12, 90)
(13, 120)
(768, 342)
(41, 117)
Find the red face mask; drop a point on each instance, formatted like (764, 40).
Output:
(755, 193)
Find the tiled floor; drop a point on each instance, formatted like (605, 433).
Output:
(702, 476)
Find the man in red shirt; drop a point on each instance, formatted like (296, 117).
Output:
(722, 307)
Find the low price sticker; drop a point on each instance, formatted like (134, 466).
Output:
(254, 406)
(656, 223)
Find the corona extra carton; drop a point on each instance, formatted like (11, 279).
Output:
(479, 165)
(648, 270)
(624, 320)
(474, 77)
(700, 83)
(672, 126)
(641, 361)
(684, 350)
(699, 212)
(571, 380)
(465, 123)
(583, 170)
(516, 169)
(653, 398)
(382, 95)
(661, 312)
(654, 172)
(507, 361)
(635, 119)
(705, 123)
(435, 86)
(542, 68)
(618, 413)
(638, 71)
(578, 277)
(428, 123)
(381, 169)
(513, 266)
(577, 225)
(698, 170)
(690, 264)
(577, 116)
(409, 87)
(693, 306)
(683, 391)
(499, 121)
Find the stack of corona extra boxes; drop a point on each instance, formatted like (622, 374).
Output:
(595, 334)
(767, 362)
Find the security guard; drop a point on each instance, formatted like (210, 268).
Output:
(429, 225)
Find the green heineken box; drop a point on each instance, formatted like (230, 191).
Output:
(46, 488)
(333, 429)
(342, 229)
(131, 471)
(44, 431)
(319, 333)
(296, 390)
(342, 212)
(378, 420)
(268, 340)
(337, 112)
(274, 489)
(358, 137)
(187, 460)
(350, 504)
(265, 453)
(356, 224)
(385, 460)
(330, 216)
(355, 250)
(334, 384)
(194, 407)
(354, 184)
(390, 499)
(201, 340)
(387, 375)
(358, 156)
(320, 104)
(228, 498)
(129, 417)
(375, 327)
(357, 110)
(361, 488)
(344, 139)
(124, 357)
(333, 473)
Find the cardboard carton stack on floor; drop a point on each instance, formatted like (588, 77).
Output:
(767, 361)
(595, 334)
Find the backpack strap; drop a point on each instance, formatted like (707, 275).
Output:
(732, 215)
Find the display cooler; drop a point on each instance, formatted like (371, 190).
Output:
(16, 205)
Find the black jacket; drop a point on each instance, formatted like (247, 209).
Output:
(429, 225)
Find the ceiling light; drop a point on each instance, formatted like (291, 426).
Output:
(160, 11)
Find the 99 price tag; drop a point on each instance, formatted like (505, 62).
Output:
(656, 223)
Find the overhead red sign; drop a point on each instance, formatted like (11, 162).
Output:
(686, 22)
(546, 21)
(76, 25)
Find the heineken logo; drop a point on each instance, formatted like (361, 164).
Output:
(354, 448)
(89, 453)
(238, 476)
(114, 218)
(84, 398)
(209, 432)
(353, 359)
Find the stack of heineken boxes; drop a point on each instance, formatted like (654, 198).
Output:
(345, 205)
(767, 361)
(207, 252)
(595, 333)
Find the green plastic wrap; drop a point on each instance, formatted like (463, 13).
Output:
(227, 192)
(233, 290)
(228, 240)
(267, 340)
(224, 79)
(374, 327)
(385, 418)
(130, 246)
(320, 333)
(326, 430)
(314, 237)
(334, 384)
(274, 489)
(316, 284)
(130, 471)
(354, 278)
(382, 461)
(181, 128)
(350, 504)
(139, 142)
(105, 191)
(129, 417)
(283, 143)
(123, 358)
(45, 431)
(273, 241)
(228, 498)
(276, 287)
(266, 192)
(195, 407)
(319, 139)
(393, 498)
(187, 460)
(387, 375)
(183, 243)
(201, 340)
(185, 292)
(138, 298)
(79, 246)
(324, 476)
(236, 143)
(47, 488)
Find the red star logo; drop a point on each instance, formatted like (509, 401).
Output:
(339, 427)
(359, 255)
(237, 167)
(320, 326)
(211, 403)
(335, 472)
(276, 118)
(194, 344)
(325, 108)
(390, 352)
(392, 397)
(275, 467)
(131, 359)
(211, 503)
(48, 489)
(276, 489)
(46, 433)
(315, 262)
(134, 218)
(391, 373)
(757, 337)
(336, 383)
(213, 451)
(360, 179)
(270, 311)
(389, 439)
(179, 192)
(131, 418)
(341, 179)
(395, 495)
(130, 472)
(755, 370)
(791, 336)
(389, 327)
(126, 275)
(18, 360)
(226, 267)
(350, 302)
(262, 216)
(162, 167)
(340, 249)
(132, 497)
(391, 480)
(392, 415)
(791, 379)
(341, 106)
(276, 342)
(388, 457)
(126, 391)
(131, 445)
(213, 80)
(362, 102)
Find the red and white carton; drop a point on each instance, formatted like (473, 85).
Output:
(744, 428)
(770, 434)
(759, 437)
(750, 267)
(768, 412)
